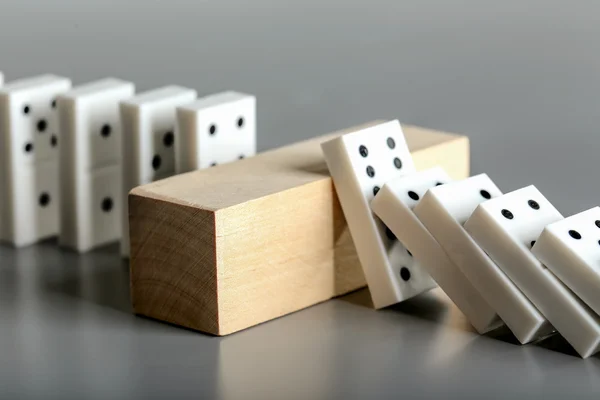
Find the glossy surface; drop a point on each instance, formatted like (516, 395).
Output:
(66, 332)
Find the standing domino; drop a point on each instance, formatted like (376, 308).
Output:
(571, 249)
(443, 211)
(215, 130)
(28, 147)
(148, 121)
(90, 164)
(506, 228)
(360, 163)
(394, 204)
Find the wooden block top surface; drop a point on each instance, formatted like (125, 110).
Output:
(267, 173)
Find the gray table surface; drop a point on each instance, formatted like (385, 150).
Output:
(520, 78)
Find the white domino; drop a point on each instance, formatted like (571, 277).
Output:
(148, 121)
(506, 228)
(571, 250)
(443, 210)
(360, 163)
(29, 157)
(90, 164)
(214, 130)
(394, 204)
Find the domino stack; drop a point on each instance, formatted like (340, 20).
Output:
(502, 258)
(110, 142)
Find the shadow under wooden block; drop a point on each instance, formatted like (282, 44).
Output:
(222, 249)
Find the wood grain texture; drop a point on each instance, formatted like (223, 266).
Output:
(223, 249)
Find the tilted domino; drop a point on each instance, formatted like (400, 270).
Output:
(394, 204)
(360, 163)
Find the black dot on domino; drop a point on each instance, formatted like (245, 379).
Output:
(370, 171)
(53, 104)
(28, 147)
(363, 151)
(156, 162)
(405, 274)
(574, 234)
(212, 129)
(534, 204)
(241, 157)
(44, 199)
(240, 122)
(439, 184)
(168, 139)
(413, 195)
(397, 163)
(376, 190)
(532, 243)
(408, 252)
(26, 109)
(213, 164)
(507, 214)
(597, 223)
(53, 140)
(107, 204)
(485, 194)
(391, 143)
(42, 125)
(105, 131)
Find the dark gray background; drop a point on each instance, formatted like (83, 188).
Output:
(520, 78)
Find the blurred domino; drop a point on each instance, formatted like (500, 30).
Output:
(394, 204)
(214, 130)
(443, 210)
(571, 250)
(29, 164)
(506, 228)
(148, 121)
(90, 163)
(360, 163)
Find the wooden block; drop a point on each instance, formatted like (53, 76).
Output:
(223, 249)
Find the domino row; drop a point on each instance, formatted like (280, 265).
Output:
(503, 259)
(69, 156)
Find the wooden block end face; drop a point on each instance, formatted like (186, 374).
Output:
(173, 263)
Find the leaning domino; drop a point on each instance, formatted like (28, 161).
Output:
(443, 210)
(90, 163)
(28, 157)
(360, 163)
(506, 228)
(394, 204)
(216, 129)
(148, 122)
(570, 248)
